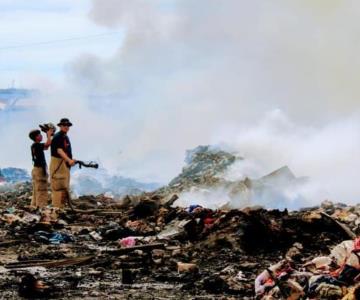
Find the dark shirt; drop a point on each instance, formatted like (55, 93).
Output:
(38, 156)
(61, 140)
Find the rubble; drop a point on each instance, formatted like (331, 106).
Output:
(205, 176)
(204, 163)
(325, 277)
(146, 247)
(193, 251)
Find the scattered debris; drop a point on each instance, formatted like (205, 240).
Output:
(145, 246)
(198, 251)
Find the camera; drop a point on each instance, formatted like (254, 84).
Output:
(47, 126)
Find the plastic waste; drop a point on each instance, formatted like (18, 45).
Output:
(128, 242)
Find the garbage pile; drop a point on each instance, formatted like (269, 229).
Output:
(15, 193)
(204, 167)
(204, 178)
(332, 274)
(147, 248)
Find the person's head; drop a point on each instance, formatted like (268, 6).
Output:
(35, 135)
(64, 125)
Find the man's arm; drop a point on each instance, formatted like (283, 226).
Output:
(49, 135)
(63, 155)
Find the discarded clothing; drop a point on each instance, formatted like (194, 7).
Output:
(128, 242)
(329, 291)
(54, 238)
(348, 274)
(316, 281)
(193, 207)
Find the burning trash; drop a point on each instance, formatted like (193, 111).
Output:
(147, 243)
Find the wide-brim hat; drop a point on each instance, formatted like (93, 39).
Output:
(64, 122)
(34, 133)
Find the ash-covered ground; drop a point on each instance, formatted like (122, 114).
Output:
(147, 247)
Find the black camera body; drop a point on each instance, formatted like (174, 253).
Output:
(47, 126)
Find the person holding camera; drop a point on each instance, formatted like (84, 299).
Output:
(39, 172)
(61, 162)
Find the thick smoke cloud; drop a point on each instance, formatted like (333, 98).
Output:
(328, 154)
(240, 56)
(208, 71)
(190, 70)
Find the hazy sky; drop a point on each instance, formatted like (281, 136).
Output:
(32, 46)
(277, 80)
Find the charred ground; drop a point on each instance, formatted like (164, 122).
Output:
(173, 252)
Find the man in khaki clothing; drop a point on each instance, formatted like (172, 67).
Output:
(61, 162)
(39, 172)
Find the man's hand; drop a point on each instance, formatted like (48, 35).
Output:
(49, 135)
(50, 132)
(67, 159)
(71, 162)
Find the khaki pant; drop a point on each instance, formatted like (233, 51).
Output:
(60, 182)
(40, 187)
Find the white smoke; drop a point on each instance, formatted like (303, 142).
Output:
(206, 72)
(329, 154)
(211, 72)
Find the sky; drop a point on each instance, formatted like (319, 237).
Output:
(38, 39)
(276, 81)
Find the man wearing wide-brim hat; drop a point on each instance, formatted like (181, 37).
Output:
(61, 162)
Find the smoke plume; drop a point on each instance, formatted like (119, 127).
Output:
(277, 81)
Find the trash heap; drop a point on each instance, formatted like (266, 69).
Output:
(146, 247)
(204, 165)
(204, 176)
(331, 274)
